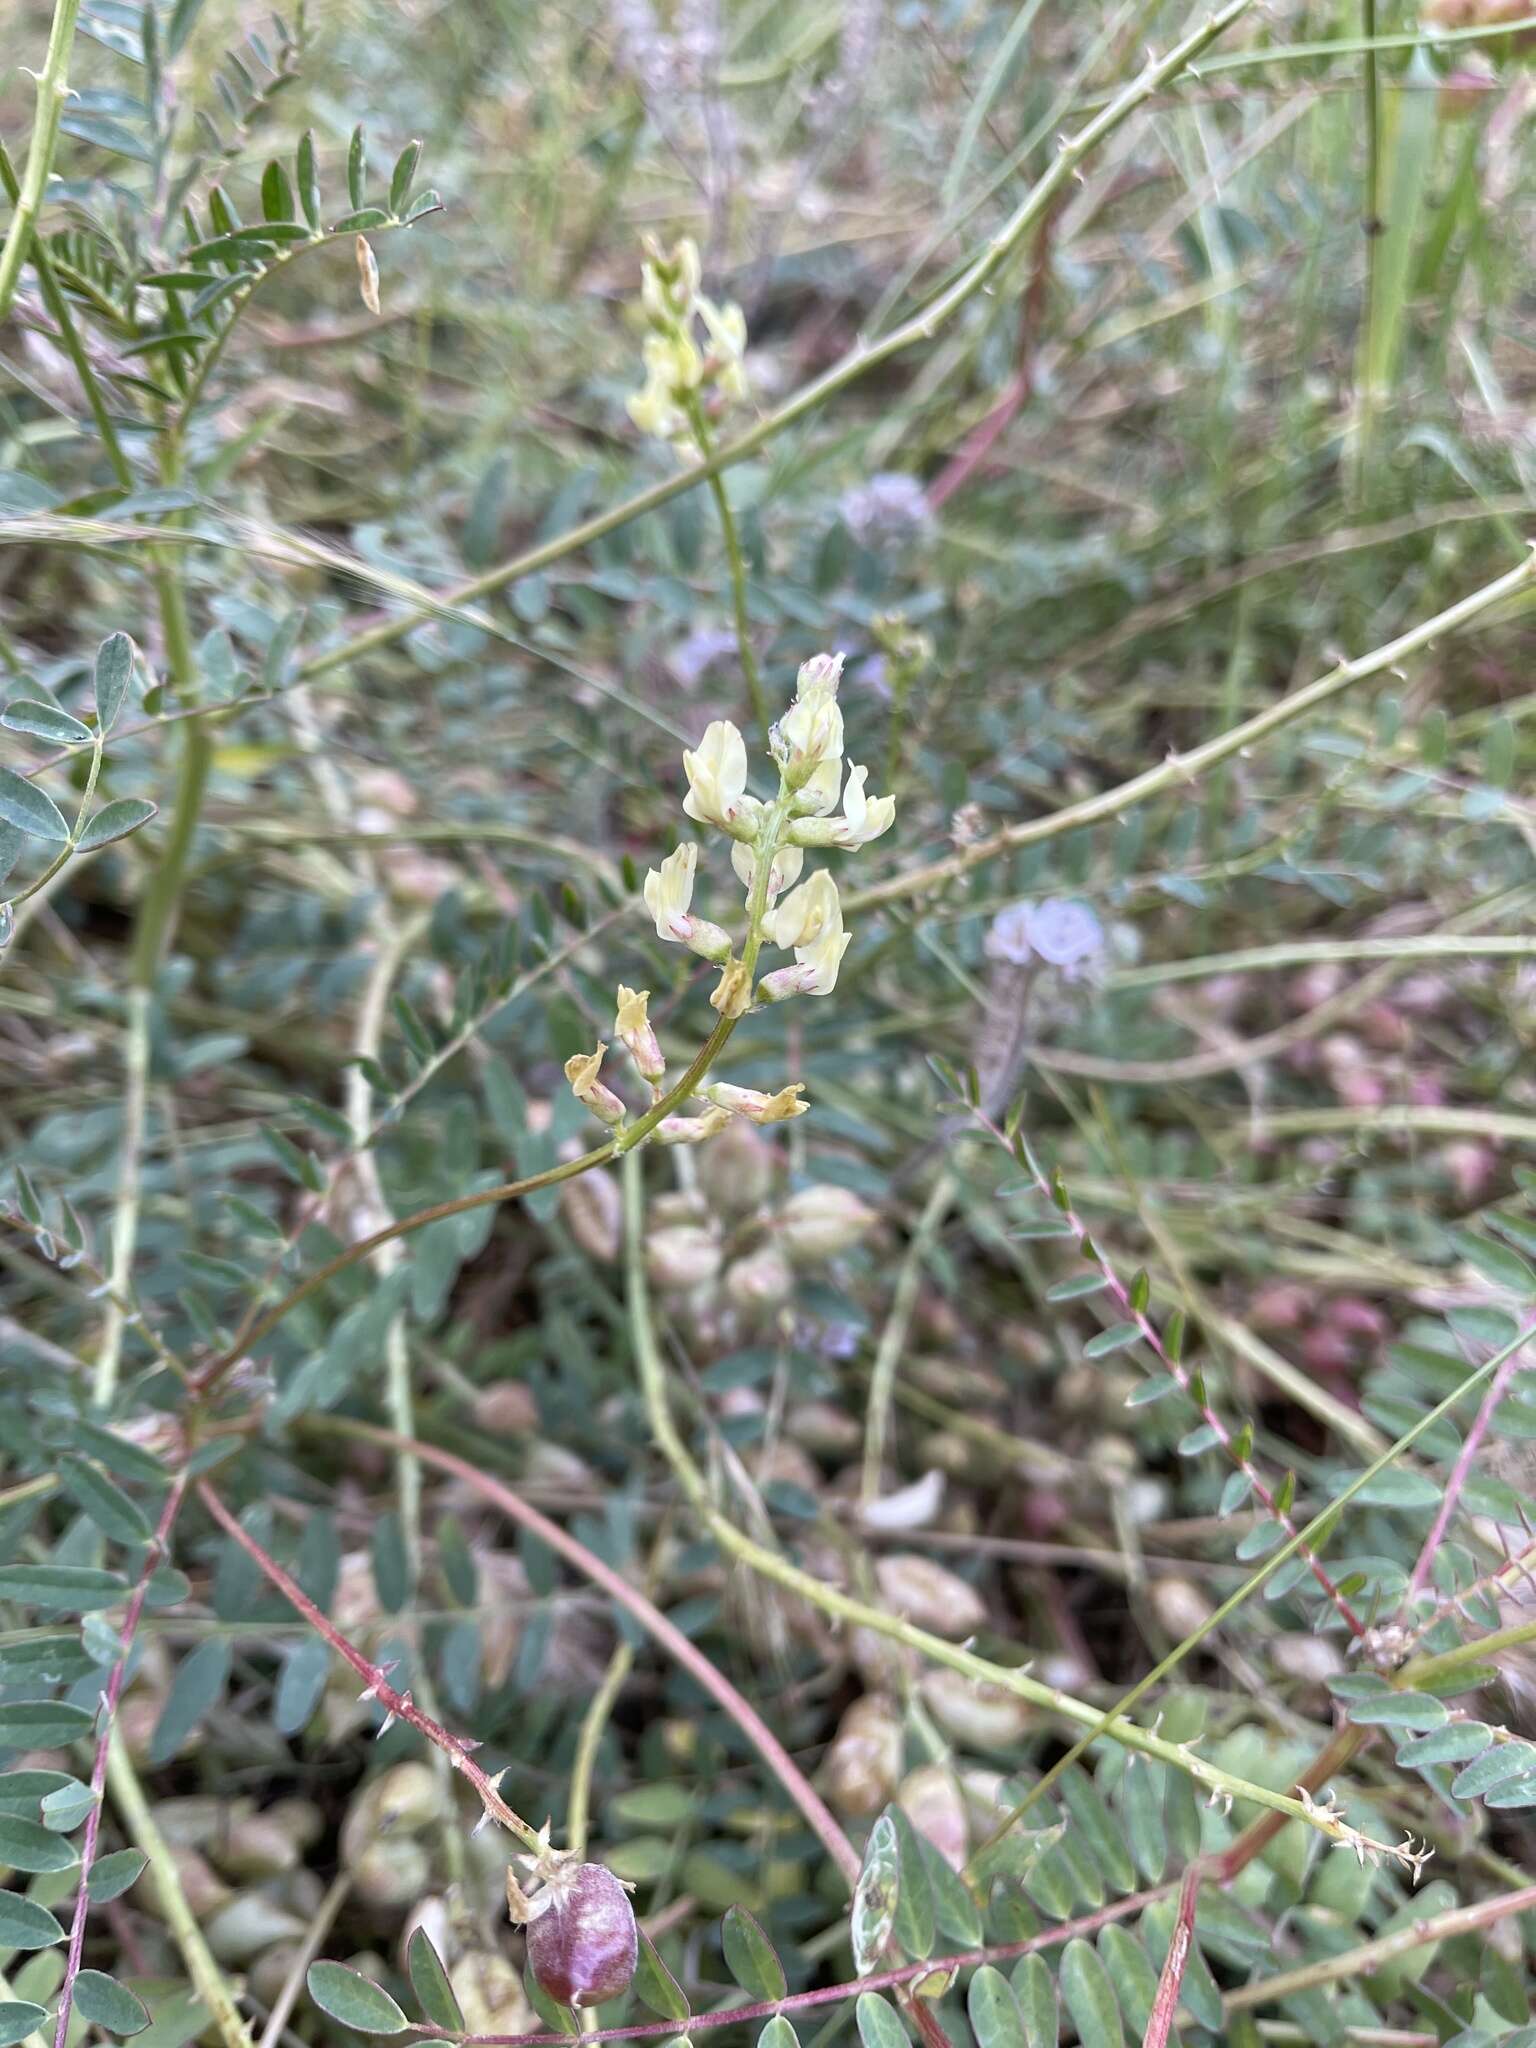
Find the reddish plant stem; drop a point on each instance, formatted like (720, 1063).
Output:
(768, 1746)
(1257, 1836)
(1171, 1981)
(828, 1994)
(973, 450)
(109, 1700)
(398, 1705)
(1497, 1388)
(1056, 1195)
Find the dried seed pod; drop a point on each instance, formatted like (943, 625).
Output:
(862, 1766)
(593, 1210)
(507, 1409)
(976, 1713)
(932, 1799)
(929, 1595)
(582, 1944)
(821, 1221)
(736, 1169)
(760, 1282)
(680, 1256)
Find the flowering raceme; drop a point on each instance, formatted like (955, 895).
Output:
(769, 838)
(678, 372)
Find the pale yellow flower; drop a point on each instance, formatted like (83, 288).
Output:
(669, 891)
(864, 818)
(717, 781)
(807, 912)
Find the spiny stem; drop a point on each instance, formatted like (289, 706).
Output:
(1460, 1473)
(1185, 1380)
(398, 1705)
(52, 91)
(1107, 1723)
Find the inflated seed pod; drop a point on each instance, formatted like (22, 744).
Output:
(583, 1944)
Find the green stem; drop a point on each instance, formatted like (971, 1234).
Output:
(893, 1337)
(593, 1722)
(460, 1205)
(139, 1824)
(923, 325)
(736, 563)
(57, 307)
(154, 926)
(52, 92)
(1370, 1955)
(1424, 1670)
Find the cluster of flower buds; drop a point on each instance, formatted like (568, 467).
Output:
(678, 371)
(769, 838)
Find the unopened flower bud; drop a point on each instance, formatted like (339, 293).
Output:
(810, 734)
(929, 1595)
(691, 1130)
(821, 1221)
(581, 1070)
(582, 1943)
(757, 1107)
(633, 1028)
(717, 781)
(681, 1257)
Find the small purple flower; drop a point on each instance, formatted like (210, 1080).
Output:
(694, 657)
(889, 509)
(1008, 936)
(1058, 932)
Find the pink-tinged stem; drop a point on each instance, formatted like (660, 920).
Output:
(671, 1638)
(1497, 1387)
(827, 1994)
(1171, 1982)
(109, 1699)
(1176, 1371)
(400, 1705)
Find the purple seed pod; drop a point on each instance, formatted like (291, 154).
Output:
(583, 1946)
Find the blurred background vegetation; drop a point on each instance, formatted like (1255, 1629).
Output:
(1253, 394)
